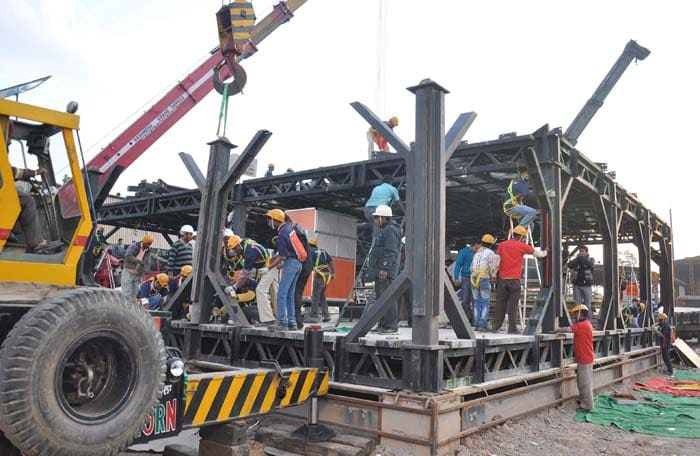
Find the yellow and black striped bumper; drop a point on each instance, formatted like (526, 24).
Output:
(223, 396)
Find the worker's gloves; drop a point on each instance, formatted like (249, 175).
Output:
(231, 291)
(540, 253)
(144, 302)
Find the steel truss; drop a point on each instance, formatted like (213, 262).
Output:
(578, 202)
(383, 363)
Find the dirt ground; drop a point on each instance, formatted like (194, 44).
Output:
(554, 432)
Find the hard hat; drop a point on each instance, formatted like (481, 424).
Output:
(662, 316)
(233, 242)
(186, 270)
(579, 307)
(488, 238)
(228, 232)
(394, 121)
(520, 230)
(642, 307)
(187, 229)
(100, 229)
(276, 214)
(383, 211)
(148, 239)
(163, 279)
(313, 240)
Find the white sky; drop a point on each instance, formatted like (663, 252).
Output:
(518, 64)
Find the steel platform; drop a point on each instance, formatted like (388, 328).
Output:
(377, 360)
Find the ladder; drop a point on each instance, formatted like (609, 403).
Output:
(363, 297)
(522, 303)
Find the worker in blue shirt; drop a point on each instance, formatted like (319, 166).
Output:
(513, 206)
(290, 250)
(462, 275)
(383, 194)
(152, 292)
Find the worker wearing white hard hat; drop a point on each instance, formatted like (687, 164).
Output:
(384, 263)
(180, 253)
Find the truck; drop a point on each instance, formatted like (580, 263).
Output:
(84, 370)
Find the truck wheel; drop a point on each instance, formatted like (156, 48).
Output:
(79, 374)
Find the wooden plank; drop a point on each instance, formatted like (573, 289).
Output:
(688, 352)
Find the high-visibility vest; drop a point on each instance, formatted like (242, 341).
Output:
(512, 200)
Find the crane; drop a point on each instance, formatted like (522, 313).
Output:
(104, 169)
(632, 51)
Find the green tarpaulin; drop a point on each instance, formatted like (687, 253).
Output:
(686, 375)
(667, 415)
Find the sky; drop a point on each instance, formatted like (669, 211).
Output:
(519, 65)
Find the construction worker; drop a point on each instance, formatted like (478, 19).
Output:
(511, 253)
(583, 351)
(462, 272)
(383, 194)
(28, 217)
(582, 267)
(228, 262)
(136, 258)
(292, 252)
(665, 332)
(251, 256)
(482, 268)
(176, 281)
(270, 169)
(384, 262)
(307, 267)
(152, 292)
(513, 206)
(323, 273)
(375, 139)
(180, 253)
(101, 235)
(119, 249)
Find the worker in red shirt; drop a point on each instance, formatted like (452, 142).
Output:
(511, 253)
(583, 351)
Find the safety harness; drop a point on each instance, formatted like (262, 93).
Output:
(322, 269)
(513, 200)
(478, 274)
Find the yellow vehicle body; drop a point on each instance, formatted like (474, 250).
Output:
(20, 270)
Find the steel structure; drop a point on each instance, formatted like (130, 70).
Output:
(579, 202)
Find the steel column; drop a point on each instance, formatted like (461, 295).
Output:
(609, 217)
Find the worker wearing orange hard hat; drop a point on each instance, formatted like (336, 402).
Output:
(136, 257)
(152, 292)
(584, 354)
(376, 140)
(511, 254)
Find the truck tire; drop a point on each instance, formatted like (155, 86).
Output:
(79, 374)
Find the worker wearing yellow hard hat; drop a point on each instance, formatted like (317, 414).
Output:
(482, 271)
(666, 332)
(290, 250)
(323, 274)
(377, 141)
(511, 253)
(153, 291)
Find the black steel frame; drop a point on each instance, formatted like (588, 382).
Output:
(579, 202)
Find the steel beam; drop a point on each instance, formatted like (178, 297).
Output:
(193, 169)
(381, 127)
